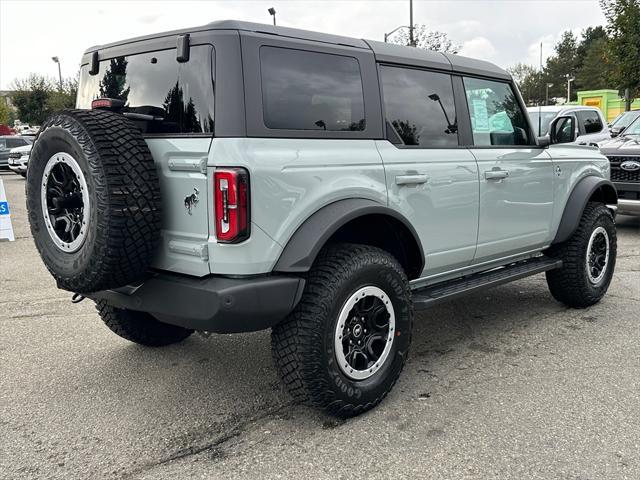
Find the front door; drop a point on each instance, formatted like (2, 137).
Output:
(430, 179)
(516, 176)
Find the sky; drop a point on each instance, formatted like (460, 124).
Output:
(502, 31)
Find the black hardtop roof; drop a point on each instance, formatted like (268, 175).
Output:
(384, 52)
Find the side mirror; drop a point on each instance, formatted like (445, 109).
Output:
(562, 130)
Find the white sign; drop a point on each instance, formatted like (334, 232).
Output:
(480, 115)
(6, 230)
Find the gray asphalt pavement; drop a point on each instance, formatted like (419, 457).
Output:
(508, 384)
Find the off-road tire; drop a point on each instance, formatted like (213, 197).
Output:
(123, 226)
(303, 344)
(140, 327)
(570, 284)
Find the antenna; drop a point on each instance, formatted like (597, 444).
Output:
(540, 94)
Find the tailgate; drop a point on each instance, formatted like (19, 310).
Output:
(181, 165)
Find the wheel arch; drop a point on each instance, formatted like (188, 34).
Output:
(589, 189)
(357, 221)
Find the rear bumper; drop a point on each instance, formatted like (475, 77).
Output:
(214, 304)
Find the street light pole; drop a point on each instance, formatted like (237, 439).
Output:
(569, 80)
(57, 60)
(387, 35)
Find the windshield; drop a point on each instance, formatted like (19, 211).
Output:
(633, 129)
(625, 119)
(546, 120)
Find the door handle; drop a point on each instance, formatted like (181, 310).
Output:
(411, 179)
(496, 174)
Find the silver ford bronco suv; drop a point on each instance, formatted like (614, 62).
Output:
(237, 177)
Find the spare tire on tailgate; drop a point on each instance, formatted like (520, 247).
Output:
(93, 198)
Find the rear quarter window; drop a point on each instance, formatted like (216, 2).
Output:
(304, 90)
(178, 98)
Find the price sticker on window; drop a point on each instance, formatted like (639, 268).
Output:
(480, 115)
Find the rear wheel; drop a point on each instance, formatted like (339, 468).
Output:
(588, 259)
(140, 327)
(342, 349)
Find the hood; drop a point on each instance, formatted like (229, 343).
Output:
(624, 145)
(23, 149)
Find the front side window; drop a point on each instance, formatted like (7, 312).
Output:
(304, 90)
(589, 121)
(420, 106)
(496, 115)
(175, 97)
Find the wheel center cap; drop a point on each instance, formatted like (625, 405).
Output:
(357, 330)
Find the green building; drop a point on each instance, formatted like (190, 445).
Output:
(608, 101)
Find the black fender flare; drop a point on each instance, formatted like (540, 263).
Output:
(303, 246)
(584, 191)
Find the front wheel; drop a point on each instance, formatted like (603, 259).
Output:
(342, 349)
(588, 259)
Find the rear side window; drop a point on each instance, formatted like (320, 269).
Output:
(496, 115)
(420, 106)
(304, 90)
(590, 121)
(175, 97)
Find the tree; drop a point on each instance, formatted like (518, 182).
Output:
(623, 27)
(30, 98)
(426, 39)
(37, 97)
(5, 113)
(564, 62)
(596, 70)
(529, 81)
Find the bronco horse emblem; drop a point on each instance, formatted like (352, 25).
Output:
(191, 201)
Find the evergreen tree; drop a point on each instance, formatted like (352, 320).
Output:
(564, 62)
(623, 27)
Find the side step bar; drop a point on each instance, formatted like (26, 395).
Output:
(426, 297)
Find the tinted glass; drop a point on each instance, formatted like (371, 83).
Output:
(15, 142)
(311, 91)
(633, 129)
(625, 119)
(177, 97)
(2, 143)
(419, 105)
(590, 121)
(496, 116)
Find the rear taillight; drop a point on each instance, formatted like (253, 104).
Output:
(231, 198)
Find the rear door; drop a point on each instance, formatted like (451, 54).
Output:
(431, 180)
(172, 103)
(516, 176)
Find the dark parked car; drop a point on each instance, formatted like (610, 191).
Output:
(622, 121)
(623, 153)
(7, 143)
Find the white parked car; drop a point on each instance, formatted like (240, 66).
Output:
(590, 122)
(19, 159)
